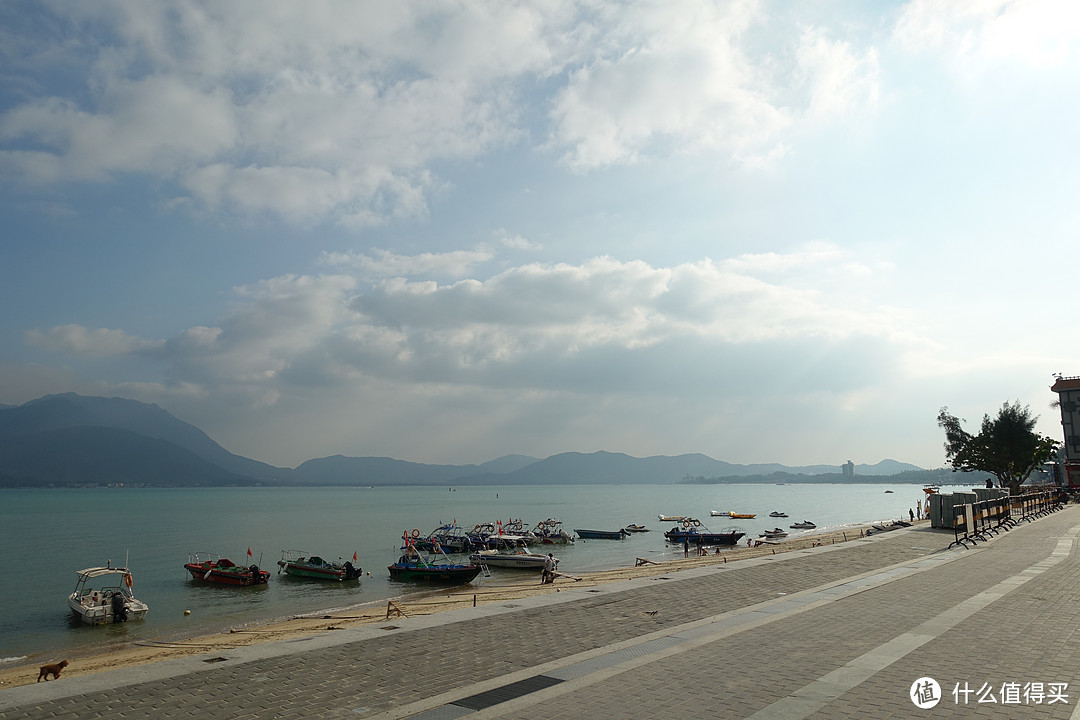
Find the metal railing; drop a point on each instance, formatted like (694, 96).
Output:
(980, 521)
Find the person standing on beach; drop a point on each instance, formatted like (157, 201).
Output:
(686, 547)
(911, 514)
(549, 569)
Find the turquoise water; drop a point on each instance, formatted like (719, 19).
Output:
(52, 533)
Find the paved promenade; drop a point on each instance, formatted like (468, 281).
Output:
(833, 632)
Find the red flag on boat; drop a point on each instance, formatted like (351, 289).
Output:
(249, 552)
(354, 556)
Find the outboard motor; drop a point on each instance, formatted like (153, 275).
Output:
(255, 574)
(119, 609)
(350, 571)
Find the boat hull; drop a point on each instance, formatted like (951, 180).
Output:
(311, 572)
(704, 538)
(528, 561)
(103, 615)
(234, 575)
(442, 574)
(103, 595)
(601, 534)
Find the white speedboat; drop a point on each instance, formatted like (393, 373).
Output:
(510, 558)
(103, 595)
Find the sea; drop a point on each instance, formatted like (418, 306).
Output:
(50, 534)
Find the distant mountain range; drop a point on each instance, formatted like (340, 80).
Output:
(71, 440)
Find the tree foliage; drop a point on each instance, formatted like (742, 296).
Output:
(1007, 446)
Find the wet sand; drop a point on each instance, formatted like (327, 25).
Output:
(412, 605)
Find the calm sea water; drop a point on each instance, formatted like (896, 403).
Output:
(49, 534)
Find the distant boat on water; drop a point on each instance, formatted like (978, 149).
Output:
(601, 534)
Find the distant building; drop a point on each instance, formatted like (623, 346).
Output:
(1068, 391)
(848, 469)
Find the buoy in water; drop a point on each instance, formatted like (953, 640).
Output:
(187, 612)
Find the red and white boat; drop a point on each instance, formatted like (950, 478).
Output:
(210, 567)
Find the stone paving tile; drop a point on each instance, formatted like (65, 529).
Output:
(740, 674)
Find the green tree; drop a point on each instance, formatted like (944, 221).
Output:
(1007, 446)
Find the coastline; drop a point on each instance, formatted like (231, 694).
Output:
(426, 602)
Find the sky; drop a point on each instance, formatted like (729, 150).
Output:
(445, 232)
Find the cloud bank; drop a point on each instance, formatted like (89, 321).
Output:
(342, 120)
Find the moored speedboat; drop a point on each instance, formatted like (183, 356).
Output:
(804, 525)
(451, 537)
(670, 518)
(104, 595)
(210, 567)
(496, 535)
(777, 513)
(300, 563)
(550, 532)
(520, 558)
(634, 528)
(435, 568)
(694, 533)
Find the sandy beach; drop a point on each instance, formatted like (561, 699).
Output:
(424, 603)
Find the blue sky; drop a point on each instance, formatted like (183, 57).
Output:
(443, 232)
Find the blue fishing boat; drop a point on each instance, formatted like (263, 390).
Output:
(435, 568)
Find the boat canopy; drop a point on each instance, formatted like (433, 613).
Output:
(99, 571)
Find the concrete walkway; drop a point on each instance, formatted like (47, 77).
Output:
(832, 632)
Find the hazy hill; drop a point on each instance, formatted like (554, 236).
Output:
(68, 410)
(341, 470)
(506, 464)
(104, 456)
(71, 439)
(618, 468)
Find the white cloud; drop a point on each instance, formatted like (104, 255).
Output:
(339, 113)
(549, 327)
(515, 242)
(152, 125)
(980, 33)
(835, 77)
(310, 112)
(87, 342)
(688, 75)
(384, 263)
(814, 254)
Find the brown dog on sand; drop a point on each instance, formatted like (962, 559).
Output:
(54, 670)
